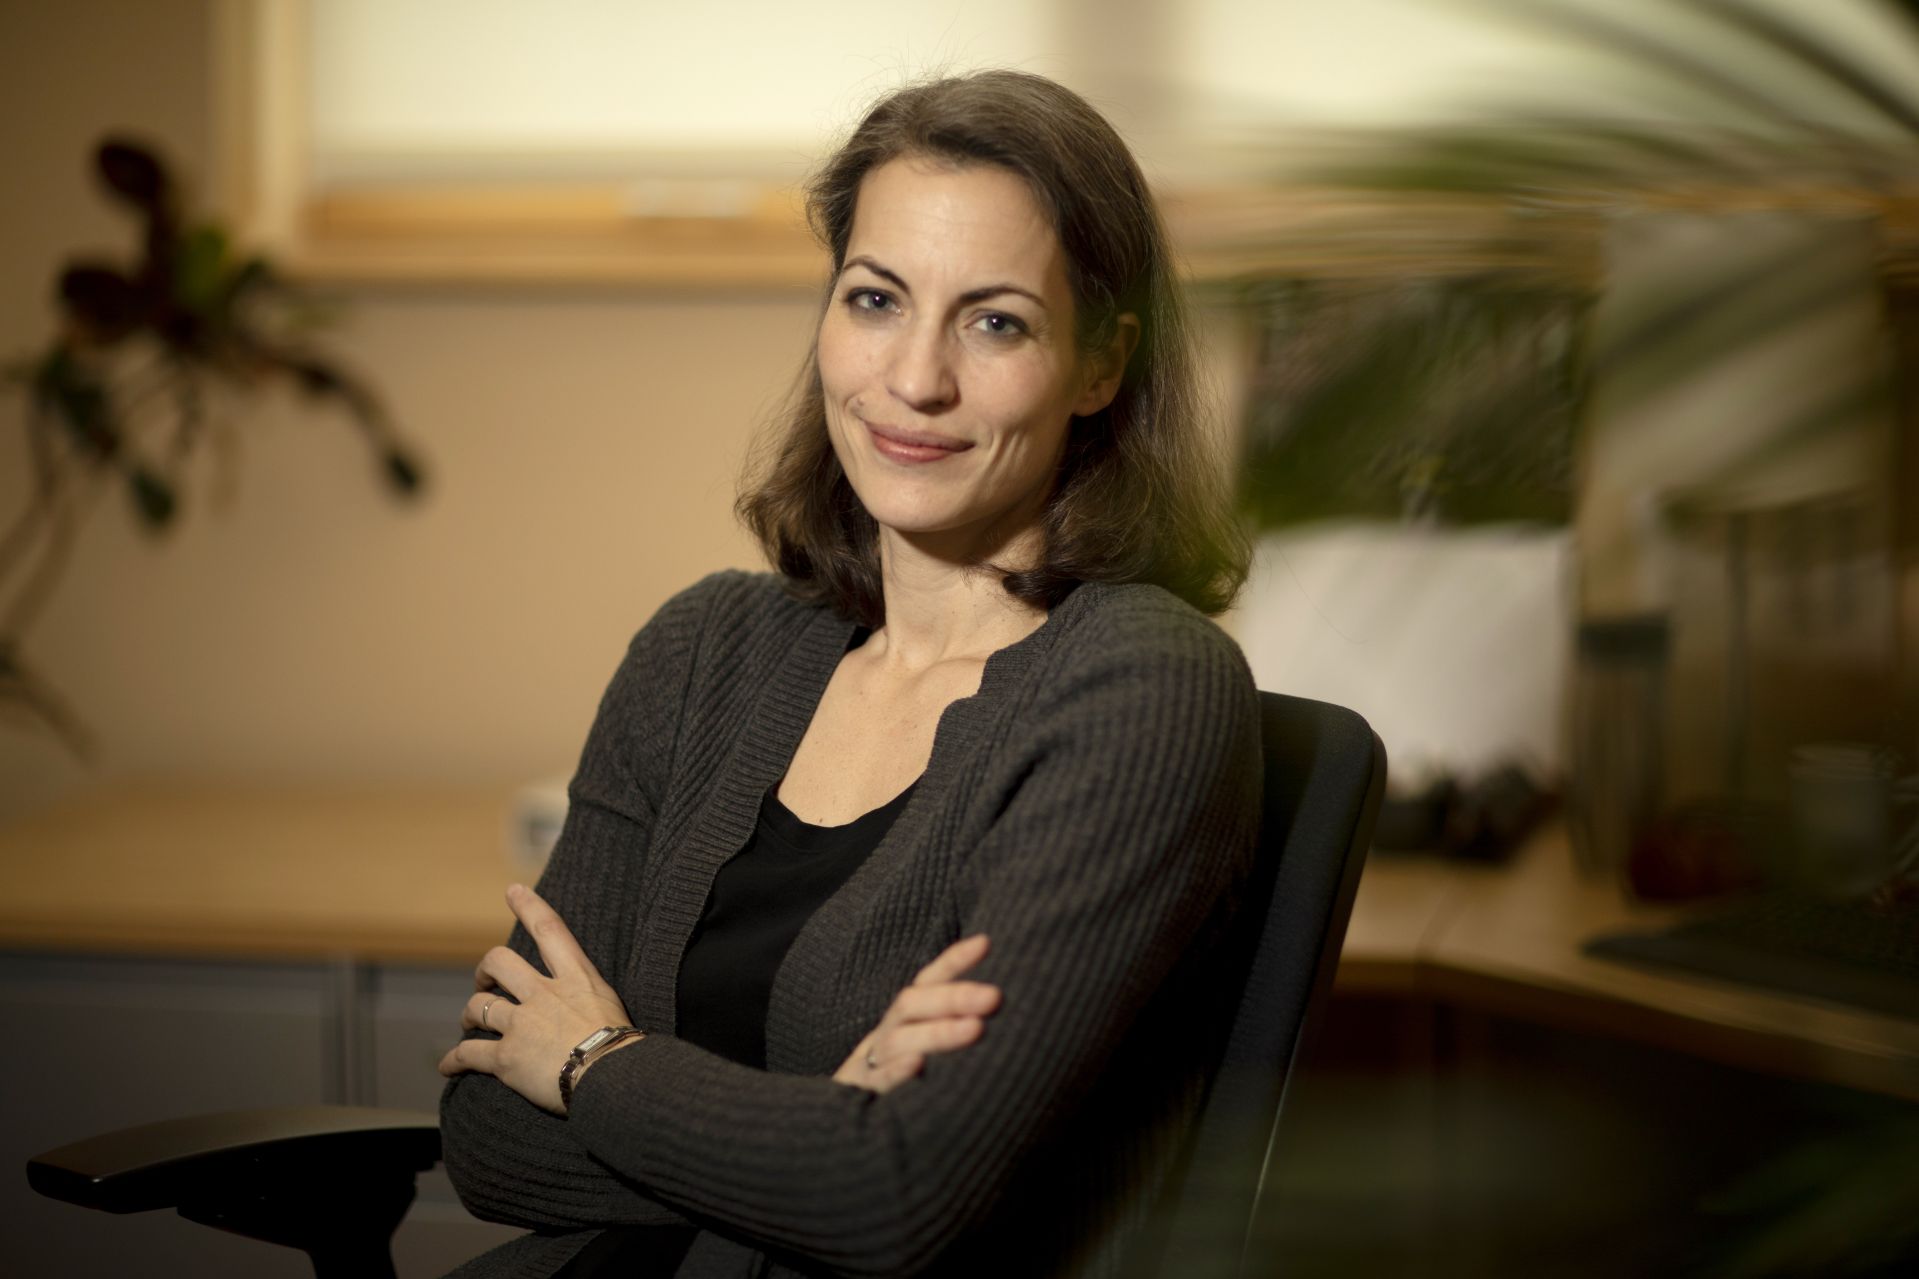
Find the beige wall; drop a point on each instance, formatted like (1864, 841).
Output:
(583, 447)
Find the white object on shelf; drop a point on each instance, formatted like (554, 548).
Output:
(1453, 643)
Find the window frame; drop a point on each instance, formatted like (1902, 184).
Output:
(529, 232)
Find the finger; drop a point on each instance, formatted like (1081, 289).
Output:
(891, 1058)
(951, 999)
(878, 1064)
(895, 1068)
(501, 969)
(487, 1010)
(855, 1068)
(925, 1038)
(953, 961)
(478, 1055)
(549, 932)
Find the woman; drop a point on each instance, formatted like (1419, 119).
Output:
(901, 863)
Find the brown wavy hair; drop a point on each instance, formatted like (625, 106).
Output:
(1138, 496)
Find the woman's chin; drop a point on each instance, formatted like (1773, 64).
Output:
(960, 542)
(910, 515)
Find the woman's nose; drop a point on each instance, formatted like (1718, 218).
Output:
(922, 370)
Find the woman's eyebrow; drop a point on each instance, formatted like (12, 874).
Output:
(992, 290)
(971, 295)
(890, 277)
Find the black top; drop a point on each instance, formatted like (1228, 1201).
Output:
(761, 899)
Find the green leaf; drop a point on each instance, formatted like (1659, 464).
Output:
(153, 498)
(200, 267)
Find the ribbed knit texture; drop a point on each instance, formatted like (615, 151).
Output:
(1092, 809)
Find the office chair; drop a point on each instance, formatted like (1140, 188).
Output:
(335, 1181)
(1324, 776)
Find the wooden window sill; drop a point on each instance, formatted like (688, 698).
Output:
(551, 235)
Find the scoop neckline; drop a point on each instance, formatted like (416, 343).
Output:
(794, 829)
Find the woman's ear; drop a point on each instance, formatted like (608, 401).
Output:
(1108, 366)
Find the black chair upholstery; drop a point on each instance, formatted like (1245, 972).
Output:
(335, 1181)
(1325, 774)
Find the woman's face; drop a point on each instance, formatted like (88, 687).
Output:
(948, 360)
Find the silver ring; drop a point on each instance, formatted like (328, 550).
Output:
(872, 1062)
(485, 1009)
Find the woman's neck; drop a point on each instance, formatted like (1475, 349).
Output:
(939, 611)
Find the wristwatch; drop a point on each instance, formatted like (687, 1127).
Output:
(588, 1051)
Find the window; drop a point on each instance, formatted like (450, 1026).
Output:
(615, 140)
(660, 143)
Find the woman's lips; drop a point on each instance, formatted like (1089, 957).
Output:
(913, 446)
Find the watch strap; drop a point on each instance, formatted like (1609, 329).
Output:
(588, 1051)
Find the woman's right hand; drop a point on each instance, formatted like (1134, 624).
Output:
(938, 1013)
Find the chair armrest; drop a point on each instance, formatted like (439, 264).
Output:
(178, 1161)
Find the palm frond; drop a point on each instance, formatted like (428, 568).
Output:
(1817, 55)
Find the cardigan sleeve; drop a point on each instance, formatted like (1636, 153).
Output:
(1135, 816)
(509, 1160)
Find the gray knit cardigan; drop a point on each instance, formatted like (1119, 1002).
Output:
(1092, 809)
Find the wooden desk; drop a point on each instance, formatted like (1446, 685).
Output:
(265, 872)
(416, 876)
(256, 946)
(1506, 940)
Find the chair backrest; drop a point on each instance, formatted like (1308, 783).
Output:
(1325, 771)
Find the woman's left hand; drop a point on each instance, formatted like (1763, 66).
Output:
(538, 1018)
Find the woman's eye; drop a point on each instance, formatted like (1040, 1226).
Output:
(868, 300)
(999, 325)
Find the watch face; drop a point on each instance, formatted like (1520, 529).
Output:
(595, 1039)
